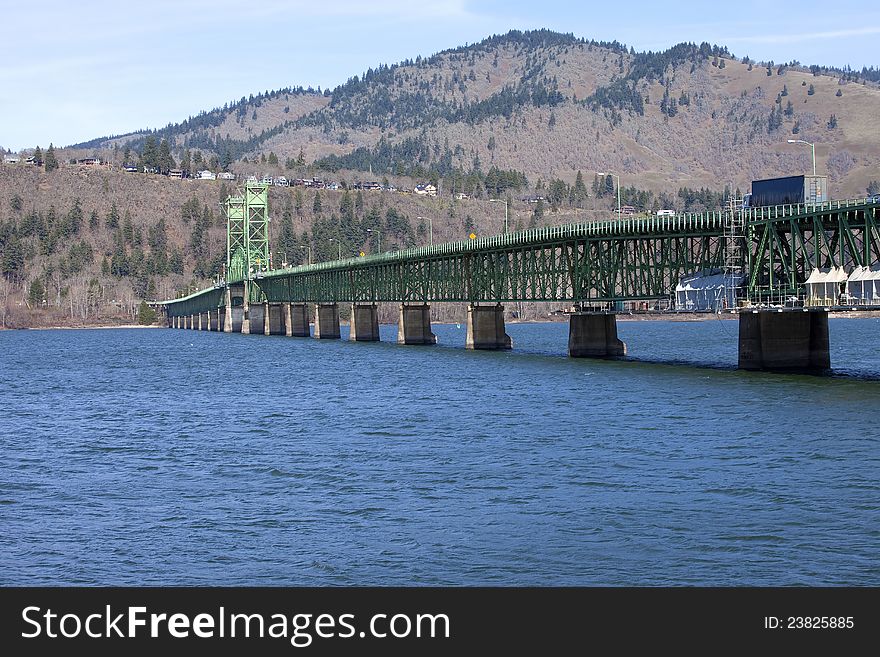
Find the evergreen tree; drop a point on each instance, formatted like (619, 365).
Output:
(316, 206)
(146, 314)
(51, 161)
(811, 90)
(112, 220)
(186, 162)
(36, 293)
(38, 156)
(298, 202)
(273, 159)
(149, 154)
(166, 162)
(301, 158)
(93, 221)
(832, 122)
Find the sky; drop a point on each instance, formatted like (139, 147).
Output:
(71, 71)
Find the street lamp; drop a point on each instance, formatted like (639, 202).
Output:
(600, 173)
(309, 247)
(812, 150)
(339, 245)
(501, 200)
(431, 227)
(378, 236)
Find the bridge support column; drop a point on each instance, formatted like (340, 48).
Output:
(192, 323)
(267, 319)
(288, 329)
(299, 320)
(275, 319)
(485, 328)
(327, 321)
(414, 326)
(227, 311)
(364, 322)
(245, 311)
(789, 340)
(214, 320)
(256, 318)
(594, 335)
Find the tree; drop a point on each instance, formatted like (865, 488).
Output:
(112, 220)
(146, 314)
(273, 159)
(36, 293)
(298, 202)
(166, 162)
(832, 122)
(538, 213)
(301, 158)
(811, 90)
(38, 156)
(186, 161)
(839, 93)
(149, 154)
(51, 161)
(316, 206)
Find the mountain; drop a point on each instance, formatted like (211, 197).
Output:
(549, 104)
(516, 116)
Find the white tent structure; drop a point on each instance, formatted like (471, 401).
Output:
(863, 286)
(823, 286)
(707, 291)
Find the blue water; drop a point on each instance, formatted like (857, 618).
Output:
(183, 457)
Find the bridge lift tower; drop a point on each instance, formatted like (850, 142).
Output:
(247, 232)
(734, 247)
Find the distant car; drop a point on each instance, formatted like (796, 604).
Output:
(665, 213)
(874, 198)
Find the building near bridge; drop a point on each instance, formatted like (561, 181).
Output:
(707, 291)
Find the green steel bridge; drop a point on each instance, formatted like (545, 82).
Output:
(768, 254)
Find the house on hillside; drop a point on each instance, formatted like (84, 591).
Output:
(425, 190)
(90, 161)
(130, 168)
(226, 175)
(175, 173)
(206, 175)
(11, 159)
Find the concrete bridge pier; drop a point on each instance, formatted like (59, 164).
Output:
(299, 320)
(188, 322)
(327, 321)
(288, 318)
(364, 322)
(214, 320)
(256, 319)
(594, 335)
(784, 340)
(245, 311)
(275, 319)
(414, 325)
(485, 328)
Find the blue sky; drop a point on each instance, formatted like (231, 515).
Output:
(71, 71)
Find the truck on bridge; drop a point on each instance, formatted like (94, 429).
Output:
(789, 190)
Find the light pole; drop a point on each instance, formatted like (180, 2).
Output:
(309, 247)
(501, 200)
(812, 150)
(430, 227)
(339, 246)
(378, 236)
(600, 173)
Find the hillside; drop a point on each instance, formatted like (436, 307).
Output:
(515, 116)
(548, 105)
